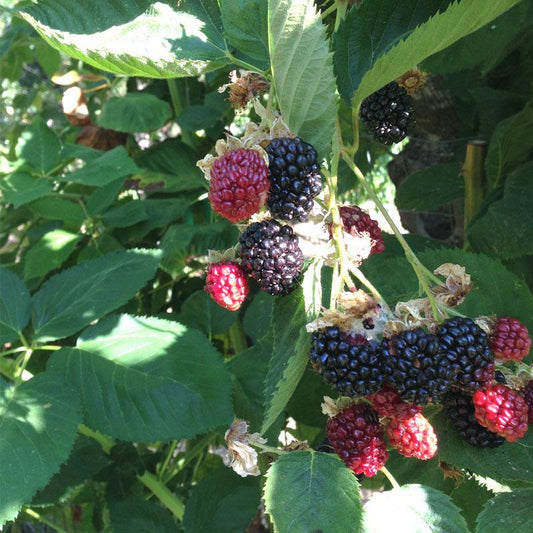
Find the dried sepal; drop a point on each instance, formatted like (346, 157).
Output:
(332, 408)
(244, 87)
(412, 81)
(217, 256)
(456, 285)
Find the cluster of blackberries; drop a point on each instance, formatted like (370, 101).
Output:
(453, 367)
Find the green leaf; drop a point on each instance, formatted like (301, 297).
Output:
(39, 147)
(184, 39)
(412, 509)
(49, 253)
(312, 491)
(105, 169)
(200, 311)
(222, 502)
(38, 425)
(103, 197)
(137, 514)
(258, 314)
(126, 214)
(15, 305)
(86, 460)
(485, 47)
(158, 379)
(289, 355)
(470, 496)
(134, 112)
(507, 511)
(56, 208)
(428, 189)
(511, 461)
(246, 27)
(496, 290)
(312, 289)
(197, 117)
(302, 71)
(249, 368)
(20, 188)
(391, 36)
(506, 228)
(70, 300)
(510, 146)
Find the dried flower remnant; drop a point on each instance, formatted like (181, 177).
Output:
(243, 458)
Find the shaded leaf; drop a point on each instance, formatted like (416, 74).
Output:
(49, 253)
(134, 112)
(302, 71)
(72, 299)
(507, 511)
(141, 516)
(56, 208)
(20, 188)
(38, 425)
(222, 502)
(15, 306)
(39, 147)
(147, 379)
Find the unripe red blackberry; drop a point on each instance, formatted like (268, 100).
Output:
(466, 345)
(388, 113)
(295, 178)
(502, 410)
(387, 402)
(460, 411)
(348, 362)
(412, 437)
(527, 393)
(357, 223)
(227, 284)
(271, 255)
(414, 365)
(356, 435)
(510, 339)
(238, 185)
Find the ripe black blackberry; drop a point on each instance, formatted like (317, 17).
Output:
(414, 365)
(460, 411)
(271, 255)
(388, 113)
(348, 362)
(467, 346)
(295, 178)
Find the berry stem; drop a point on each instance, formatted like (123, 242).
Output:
(267, 449)
(164, 466)
(390, 477)
(422, 273)
(328, 11)
(43, 520)
(178, 105)
(237, 337)
(368, 284)
(244, 64)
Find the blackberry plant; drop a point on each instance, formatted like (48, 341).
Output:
(175, 243)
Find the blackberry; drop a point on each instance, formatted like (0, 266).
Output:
(467, 345)
(388, 113)
(460, 411)
(348, 362)
(295, 178)
(414, 365)
(271, 255)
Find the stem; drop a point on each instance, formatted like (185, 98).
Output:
(390, 477)
(167, 459)
(50, 347)
(189, 456)
(21, 366)
(163, 494)
(237, 337)
(37, 516)
(474, 176)
(13, 350)
(422, 273)
(368, 284)
(328, 11)
(104, 441)
(178, 104)
(244, 64)
(267, 449)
